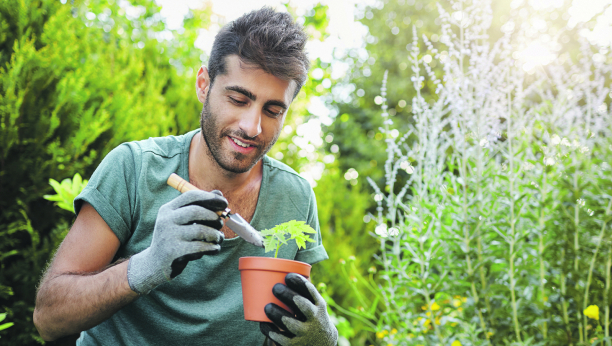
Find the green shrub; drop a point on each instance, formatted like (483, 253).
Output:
(71, 89)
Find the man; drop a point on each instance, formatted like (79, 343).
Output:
(128, 216)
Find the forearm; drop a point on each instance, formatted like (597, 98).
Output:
(69, 303)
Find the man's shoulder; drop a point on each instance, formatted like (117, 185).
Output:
(282, 171)
(284, 178)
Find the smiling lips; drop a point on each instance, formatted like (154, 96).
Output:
(241, 146)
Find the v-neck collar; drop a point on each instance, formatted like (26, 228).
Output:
(263, 189)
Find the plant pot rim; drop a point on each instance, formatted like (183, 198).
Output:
(272, 264)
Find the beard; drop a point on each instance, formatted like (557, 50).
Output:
(233, 162)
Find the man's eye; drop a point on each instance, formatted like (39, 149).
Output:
(275, 113)
(238, 102)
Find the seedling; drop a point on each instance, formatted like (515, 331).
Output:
(281, 234)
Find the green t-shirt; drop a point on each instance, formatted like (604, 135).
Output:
(203, 305)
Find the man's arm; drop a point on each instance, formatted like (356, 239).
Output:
(79, 290)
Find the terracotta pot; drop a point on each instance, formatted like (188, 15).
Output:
(258, 276)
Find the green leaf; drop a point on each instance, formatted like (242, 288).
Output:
(7, 254)
(67, 191)
(6, 325)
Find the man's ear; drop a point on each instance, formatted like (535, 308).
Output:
(202, 83)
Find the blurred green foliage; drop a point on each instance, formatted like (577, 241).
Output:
(75, 81)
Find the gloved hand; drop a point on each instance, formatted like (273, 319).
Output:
(186, 228)
(311, 325)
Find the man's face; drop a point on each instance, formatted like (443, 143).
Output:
(243, 113)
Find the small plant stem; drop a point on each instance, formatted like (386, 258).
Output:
(383, 250)
(426, 294)
(359, 317)
(483, 278)
(517, 328)
(512, 293)
(588, 109)
(542, 274)
(606, 302)
(481, 269)
(355, 290)
(466, 242)
(564, 302)
(432, 318)
(592, 266)
(576, 257)
(473, 284)
(541, 247)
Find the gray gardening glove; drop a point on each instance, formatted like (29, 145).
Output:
(186, 228)
(310, 326)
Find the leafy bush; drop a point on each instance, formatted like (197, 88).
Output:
(72, 87)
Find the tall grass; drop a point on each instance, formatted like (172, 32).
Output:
(499, 230)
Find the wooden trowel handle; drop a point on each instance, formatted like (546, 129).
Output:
(180, 184)
(183, 186)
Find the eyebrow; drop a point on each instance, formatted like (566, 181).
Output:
(241, 90)
(251, 96)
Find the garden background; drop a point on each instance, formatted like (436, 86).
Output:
(459, 150)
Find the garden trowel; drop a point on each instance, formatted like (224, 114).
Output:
(234, 221)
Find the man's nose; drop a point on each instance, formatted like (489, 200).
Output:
(250, 123)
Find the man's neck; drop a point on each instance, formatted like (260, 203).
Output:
(205, 172)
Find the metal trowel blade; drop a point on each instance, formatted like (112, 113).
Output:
(239, 225)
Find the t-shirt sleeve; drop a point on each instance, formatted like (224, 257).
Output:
(314, 251)
(111, 191)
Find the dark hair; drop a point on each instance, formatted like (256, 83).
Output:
(269, 40)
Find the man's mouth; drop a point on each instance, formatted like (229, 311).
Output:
(240, 143)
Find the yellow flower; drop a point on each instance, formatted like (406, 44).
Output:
(411, 335)
(456, 343)
(393, 331)
(456, 303)
(592, 312)
(380, 335)
(434, 307)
